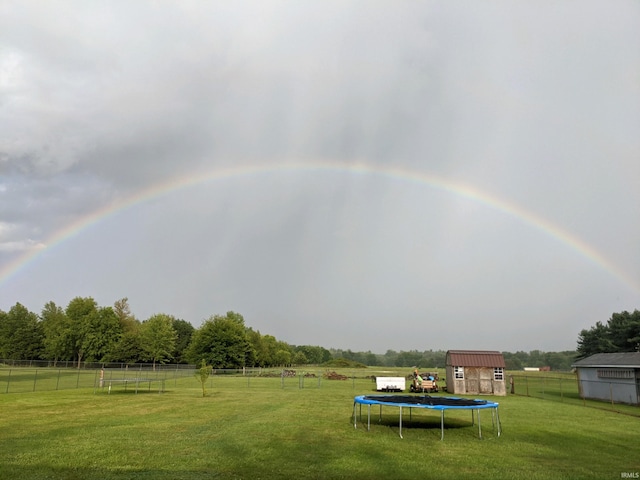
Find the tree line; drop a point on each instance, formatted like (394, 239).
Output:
(621, 333)
(84, 331)
(437, 358)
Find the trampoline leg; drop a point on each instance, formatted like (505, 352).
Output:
(472, 421)
(355, 418)
(369, 417)
(493, 420)
(401, 422)
(479, 426)
(441, 425)
(498, 421)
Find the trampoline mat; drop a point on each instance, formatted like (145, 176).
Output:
(425, 400)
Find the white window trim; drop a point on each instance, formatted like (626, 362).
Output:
(621, 373)
(458, 373)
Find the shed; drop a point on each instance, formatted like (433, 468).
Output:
(475, 372)
(614, 377)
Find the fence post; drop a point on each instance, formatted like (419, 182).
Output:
(561, 396)
(58, 380)
(8, 381)
(35, 378)
(611, 394)
(526, 382)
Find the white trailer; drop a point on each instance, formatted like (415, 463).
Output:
(389, 384)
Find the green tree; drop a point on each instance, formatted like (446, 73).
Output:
(101, 334)
(258, 346)
(624, 331)
(595, 340)
(283, 357)
(299, 358)
(56, 326)
(184, 332)
(202, 374)
(620, 334)
(122, 310)
(222, 342)
(266, 355)
(390, 357)
(511, 361)
(409, 359)
(128, 349)
(4, 334)
(78, 311)
(158, 338)
(315, 355)
(21, 336)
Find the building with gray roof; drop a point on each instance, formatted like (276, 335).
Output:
(614, 377)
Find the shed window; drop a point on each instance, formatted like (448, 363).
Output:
(498, 373)
(459, 373)
(615, 373)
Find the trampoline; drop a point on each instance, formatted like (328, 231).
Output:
(431, 403)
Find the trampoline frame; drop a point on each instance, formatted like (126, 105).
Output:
(375, 400)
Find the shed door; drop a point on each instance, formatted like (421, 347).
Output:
(486, 380)
(472, 376)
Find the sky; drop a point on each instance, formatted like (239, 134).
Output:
(364, 175)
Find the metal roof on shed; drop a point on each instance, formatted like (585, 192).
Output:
(475, 358)
(622, 360)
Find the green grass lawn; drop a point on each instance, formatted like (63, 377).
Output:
(258, 429)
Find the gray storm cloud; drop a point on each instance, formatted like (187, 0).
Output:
(534, 105)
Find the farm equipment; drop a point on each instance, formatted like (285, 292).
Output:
(424, 382)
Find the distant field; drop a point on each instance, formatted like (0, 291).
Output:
(291, 428)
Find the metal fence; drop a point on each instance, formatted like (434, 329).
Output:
(25, 376)
(16, 379)
(565, 388)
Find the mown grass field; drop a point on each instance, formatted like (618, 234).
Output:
(265, 428)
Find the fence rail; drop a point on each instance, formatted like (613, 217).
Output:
(565, 388)
(24, 376)
(35, 376)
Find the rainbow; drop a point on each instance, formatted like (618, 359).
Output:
(394, 173)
